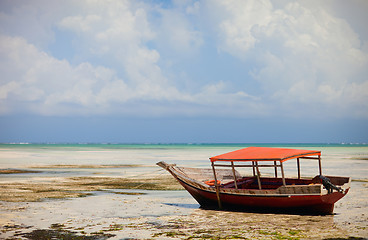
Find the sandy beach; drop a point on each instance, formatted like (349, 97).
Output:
(117, 192)
(156, 207)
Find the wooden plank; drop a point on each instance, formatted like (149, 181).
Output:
(283, 174)
(217, 187)
(300, 189)
(235, 180)
(258, 177)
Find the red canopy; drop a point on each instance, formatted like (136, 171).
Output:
(264, 154)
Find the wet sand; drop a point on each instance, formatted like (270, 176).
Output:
(48, 188)
(154, 207)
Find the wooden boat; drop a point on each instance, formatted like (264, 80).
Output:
(223, 187)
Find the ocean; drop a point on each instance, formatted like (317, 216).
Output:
(337, 159)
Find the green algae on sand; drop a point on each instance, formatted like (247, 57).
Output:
(28, 191)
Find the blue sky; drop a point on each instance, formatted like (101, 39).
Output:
(183, 71)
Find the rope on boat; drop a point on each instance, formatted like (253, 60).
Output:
(134, 176)
(140, 185)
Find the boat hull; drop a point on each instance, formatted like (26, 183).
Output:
(307, 204)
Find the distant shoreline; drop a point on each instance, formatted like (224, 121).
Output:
(188, 144)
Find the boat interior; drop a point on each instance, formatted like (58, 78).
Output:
(266, 183)
(271, 183)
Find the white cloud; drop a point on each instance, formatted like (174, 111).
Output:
(32, 20)
(44, 85)
(79, 23)
(300, 55)
(243, 17)
(35, 78)
(305, 55)
(40, 82)
(177, 33)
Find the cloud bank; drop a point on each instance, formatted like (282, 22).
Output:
(186, 58)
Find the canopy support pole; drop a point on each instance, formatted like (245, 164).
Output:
(320, 165)
(275, 168)
(217, 187)
(282, 173)
(298, 164)
(235, 180)
(254, 171)
(258, 177)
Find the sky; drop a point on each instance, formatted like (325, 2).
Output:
(184, 71)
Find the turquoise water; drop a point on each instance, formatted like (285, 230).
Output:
(337, 159)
